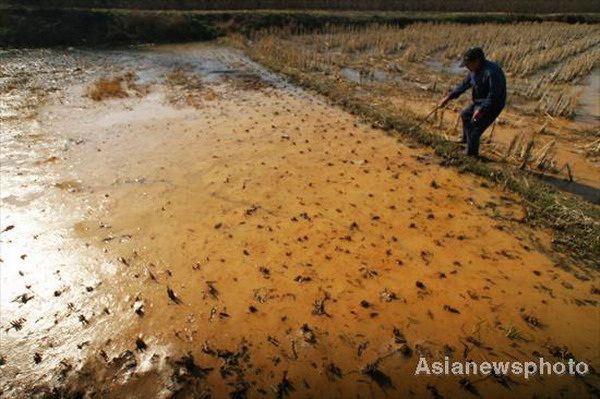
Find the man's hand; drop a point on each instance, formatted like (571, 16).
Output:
(444, 101)
(477, 115)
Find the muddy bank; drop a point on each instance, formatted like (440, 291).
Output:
(38, 27)
(213, 231)
(47, 27)
(529, 7)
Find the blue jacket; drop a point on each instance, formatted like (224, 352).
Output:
(489, 87)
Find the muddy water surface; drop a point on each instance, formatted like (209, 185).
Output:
(589, 106)
(220, 233)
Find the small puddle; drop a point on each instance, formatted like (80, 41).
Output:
(588, 193)
(369, 76)
(453, 68)
(588, 110)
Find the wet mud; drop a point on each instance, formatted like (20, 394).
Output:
(213, 231)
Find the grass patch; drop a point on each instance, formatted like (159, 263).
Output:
(105, 88)
(116, 87)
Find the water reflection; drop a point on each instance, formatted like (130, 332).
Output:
(588, 110)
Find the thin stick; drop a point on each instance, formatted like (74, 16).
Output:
(570, 173)
(424, 119)
(456, 123)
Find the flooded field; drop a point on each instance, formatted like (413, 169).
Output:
(179, 222)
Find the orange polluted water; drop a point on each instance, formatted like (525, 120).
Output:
(218, 232)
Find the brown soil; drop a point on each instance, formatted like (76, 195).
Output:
(264, 244)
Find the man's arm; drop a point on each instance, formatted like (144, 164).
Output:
(458, 90)
(461, 88)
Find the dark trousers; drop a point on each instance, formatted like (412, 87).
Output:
(472, 131)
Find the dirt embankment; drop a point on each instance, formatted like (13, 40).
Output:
(531, 7)
(24, 26)
(215, 232)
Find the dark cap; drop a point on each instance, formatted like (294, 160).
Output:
(472, 54)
